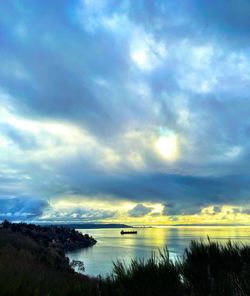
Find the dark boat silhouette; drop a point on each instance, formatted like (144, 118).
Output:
(129, 232)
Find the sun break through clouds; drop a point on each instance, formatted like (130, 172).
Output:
(125, 111)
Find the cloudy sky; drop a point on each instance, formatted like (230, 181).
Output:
(125, 111)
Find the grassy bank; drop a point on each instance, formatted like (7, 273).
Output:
(27, 268)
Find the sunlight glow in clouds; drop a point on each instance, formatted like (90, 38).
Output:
(146, 52)
(140, 58)
(167, 147)
(142, 103)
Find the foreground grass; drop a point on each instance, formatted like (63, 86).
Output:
(206, 269)
(216, 269)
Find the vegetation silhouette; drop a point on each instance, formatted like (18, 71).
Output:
(207, 268)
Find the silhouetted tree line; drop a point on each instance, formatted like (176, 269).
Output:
(62, 238)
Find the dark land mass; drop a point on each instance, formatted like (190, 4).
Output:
(94, 226)
(31, 265)
(58, 237)
(33, 261)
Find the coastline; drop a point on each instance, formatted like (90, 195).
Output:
(30, 265)
(58, 237)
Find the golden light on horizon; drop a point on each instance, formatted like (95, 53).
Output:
(119, 211)
(167, 147)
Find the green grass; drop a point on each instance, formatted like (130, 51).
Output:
(206, 269)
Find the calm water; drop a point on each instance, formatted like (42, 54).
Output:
(111, 245)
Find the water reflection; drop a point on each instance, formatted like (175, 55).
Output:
(112, 246)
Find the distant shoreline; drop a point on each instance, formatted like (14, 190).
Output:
(89, 225)
(120, 226)
(204, 225)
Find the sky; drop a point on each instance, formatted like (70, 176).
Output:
(125, 111)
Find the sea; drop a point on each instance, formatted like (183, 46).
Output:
(112, 246)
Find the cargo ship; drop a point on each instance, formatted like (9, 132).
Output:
(128, 232)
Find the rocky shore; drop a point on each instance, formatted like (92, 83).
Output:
(62, 238)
